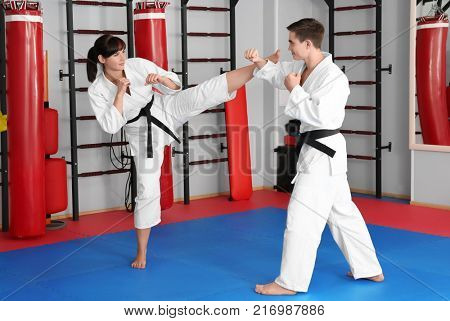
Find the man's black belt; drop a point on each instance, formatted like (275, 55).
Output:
(145, 112)
(310, 138)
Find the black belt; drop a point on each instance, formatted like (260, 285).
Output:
(145, 112)
(310, 138)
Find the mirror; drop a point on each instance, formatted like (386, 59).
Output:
(429, 125)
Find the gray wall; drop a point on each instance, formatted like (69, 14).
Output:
(431, 178)
(396, 165)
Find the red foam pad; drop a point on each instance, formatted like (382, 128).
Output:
(166, 180)
(55, 185)
(50, 131)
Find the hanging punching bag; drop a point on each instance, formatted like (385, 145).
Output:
(431, 43)
(25, 101)
(239, 163)
(151, 44)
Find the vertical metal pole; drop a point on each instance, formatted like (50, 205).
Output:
(233, 4)
(378, 172)
(73, 108)
(133, 184)
(184, 54)
(130, 34)
(4, 142)
(331, 26)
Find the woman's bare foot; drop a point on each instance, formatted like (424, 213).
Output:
(376, 278)
(273, 289)
(142, 241)
(140, 261)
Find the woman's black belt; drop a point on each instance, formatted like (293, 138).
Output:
(145, 112)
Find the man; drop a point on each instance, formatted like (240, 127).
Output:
(318, 95)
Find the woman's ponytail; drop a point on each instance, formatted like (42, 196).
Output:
(91, 66)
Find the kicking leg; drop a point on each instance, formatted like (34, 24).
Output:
(182, 106)
(239, 77)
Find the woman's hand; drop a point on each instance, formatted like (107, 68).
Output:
(122, 85)
(153, 79)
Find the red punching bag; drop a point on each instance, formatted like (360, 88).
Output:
(431, 89)
(448, 103)
(25, 101)
(151, 44)
(239, 163)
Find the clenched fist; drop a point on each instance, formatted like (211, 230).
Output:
(153, 79)
(252, 54)
(292, 80)
(122, 85)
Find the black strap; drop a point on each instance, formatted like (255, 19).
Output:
(158, 123)
(310, 138)
(145, 112)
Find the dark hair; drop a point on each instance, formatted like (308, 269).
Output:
(106, 45)
(310, 29)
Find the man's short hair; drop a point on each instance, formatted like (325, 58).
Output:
(310, 29)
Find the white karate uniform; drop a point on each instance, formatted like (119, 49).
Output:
(321, 193)
(173, 109)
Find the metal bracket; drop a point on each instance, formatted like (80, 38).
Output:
(388, 147)
(123, 156)
(177, 72)
(389, 68)
(343, 69)
(222, 147)
(174, 152)
(222, 71)
(62, 75)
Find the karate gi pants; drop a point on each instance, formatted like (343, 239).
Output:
(319, 198)
(173, 111)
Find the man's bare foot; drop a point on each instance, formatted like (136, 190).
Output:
(273, 289)
(139, 262)
(376, 278)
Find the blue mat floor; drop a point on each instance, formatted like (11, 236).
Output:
(220, 258)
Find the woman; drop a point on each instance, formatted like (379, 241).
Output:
(121, 95)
